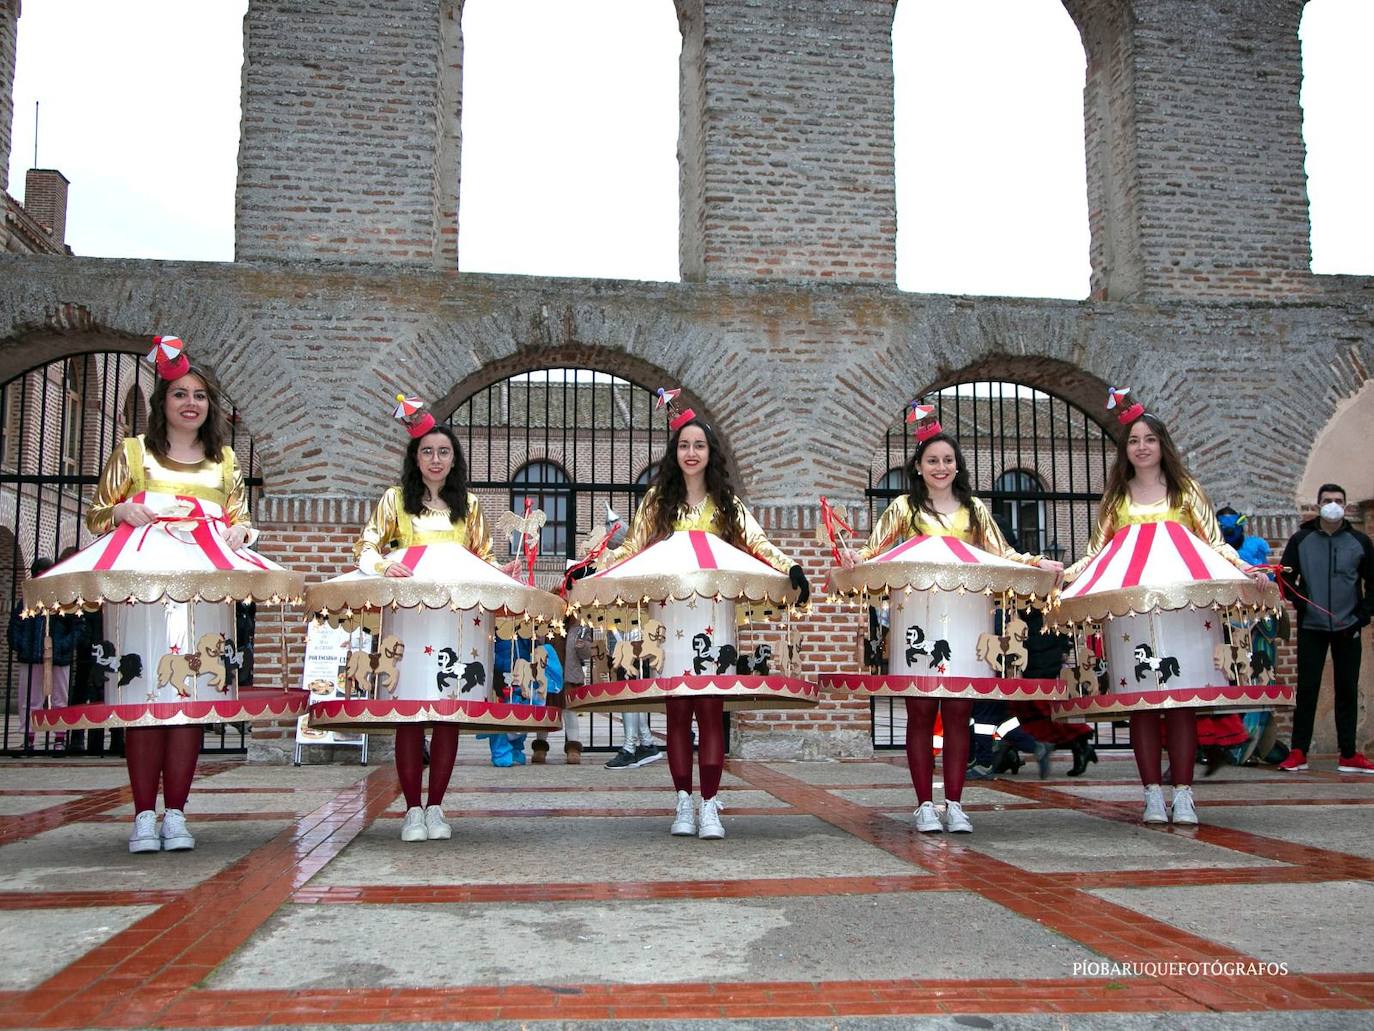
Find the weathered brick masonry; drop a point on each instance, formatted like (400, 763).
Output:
(788, 331)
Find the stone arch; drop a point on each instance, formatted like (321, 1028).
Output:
(1341, 453)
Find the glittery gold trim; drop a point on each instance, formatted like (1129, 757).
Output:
(69, 591)
(679, 586)
(412, 592)
(1204, 594)
(879, 577)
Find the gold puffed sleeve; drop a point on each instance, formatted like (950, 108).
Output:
(756, 542)
(381, 530)
(1103, 531)
(1202, 520)
(478, 536)
(115, 480)
(637, 537)
(990, 537)
(892, 527)
(236, 495)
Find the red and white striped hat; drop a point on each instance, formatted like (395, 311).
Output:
(169, 355)
(410, 410)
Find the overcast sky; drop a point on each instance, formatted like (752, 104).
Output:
(570, 135)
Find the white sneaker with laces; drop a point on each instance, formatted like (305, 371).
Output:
(685, 820)
(143, 838)
(956, 821)
(413, 829)
(1184, 811)
(710, 827)
(175, 836)
(927, 819)
(1154, 805)
(436, 827)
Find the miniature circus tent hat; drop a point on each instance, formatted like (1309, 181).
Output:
(1151, 566)
(1125, 413)
(678, 416)
(169, 355)
(924, 424)
(942, 563)
(413, 414)
(689, 563)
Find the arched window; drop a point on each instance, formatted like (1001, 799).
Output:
(548, 487)
(73, 421)
(1005, 211)
(1018, 497)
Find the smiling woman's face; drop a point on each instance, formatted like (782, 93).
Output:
(692, 451)
(187, 404)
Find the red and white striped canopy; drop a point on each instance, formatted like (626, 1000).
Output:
(944, 563)
(689, 563)
(1147, 566)
(181, 556)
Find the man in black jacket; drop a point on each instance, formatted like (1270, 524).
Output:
(1329, 567)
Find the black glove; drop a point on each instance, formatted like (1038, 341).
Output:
(800, 582)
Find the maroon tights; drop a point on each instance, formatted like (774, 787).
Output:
(710, 742)
(1180, 734)
(920, 742)
(410, 760)
(168, 754)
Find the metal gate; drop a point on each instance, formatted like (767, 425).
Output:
(1035, 458)
(574, 441)
(58, 422)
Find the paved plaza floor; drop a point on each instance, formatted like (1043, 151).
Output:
(561, 898)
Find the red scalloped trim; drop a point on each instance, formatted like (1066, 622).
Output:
(407, 710)
(729, 685)
(250, 706)
(1210, 696)
(897, 684)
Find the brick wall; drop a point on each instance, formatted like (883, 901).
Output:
(1194, 148)
(349, 145)
(786, 140)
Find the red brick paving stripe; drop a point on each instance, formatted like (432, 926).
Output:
(416, 894)
(91, 803)
(87, 899)
(128, 979)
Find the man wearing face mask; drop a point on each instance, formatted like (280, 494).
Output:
(1329, 568)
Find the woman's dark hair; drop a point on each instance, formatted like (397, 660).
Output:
(453, 493)
(671, 489)
(919, 496)
(214, 431)
(1122, 472)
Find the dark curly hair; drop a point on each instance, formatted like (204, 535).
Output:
(670, 488)
(453, 493)
(214, 431)
(919, 496)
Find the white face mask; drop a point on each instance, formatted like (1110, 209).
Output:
(1333, 511)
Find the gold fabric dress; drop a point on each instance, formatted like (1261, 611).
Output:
(977, 527)
(704, 516)
(132, 469)
(392, 527)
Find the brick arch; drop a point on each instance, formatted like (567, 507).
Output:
(1054, 376)
(1341, 453)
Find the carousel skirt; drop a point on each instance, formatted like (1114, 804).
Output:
(383, 715)
(651, 695)
(248, 707)
(978, 689)
(1206, 700)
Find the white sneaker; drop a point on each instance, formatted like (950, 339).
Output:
(414, 827)
(685, 821)
(927, 819)
(1184, 811)
(1154, 805)
(436, 827)
(143, 838)
(956, 821)
(711, 829)
(175, 836)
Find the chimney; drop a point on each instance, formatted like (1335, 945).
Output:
(45, 200)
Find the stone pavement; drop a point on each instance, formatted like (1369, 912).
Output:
(562, 898)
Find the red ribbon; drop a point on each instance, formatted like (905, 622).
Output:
(835, 528)
(1287, 590)
(530, 542)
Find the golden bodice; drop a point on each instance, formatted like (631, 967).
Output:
(704, 516)
(132, 469)
(392, 528)
(971, 525)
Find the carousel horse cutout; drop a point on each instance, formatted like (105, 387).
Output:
(1233, 656)
(1085, 677)
(1162, 666)
(644, 657)
(109, 663)
(915, 645)
(182, 672)
(370, 672)
(456, 678)
(1005, 653)
(528, 679)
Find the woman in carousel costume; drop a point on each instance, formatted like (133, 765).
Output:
(1148, 484)
(433, 668)
(692, 491)
(171, 560)
(940, 503)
